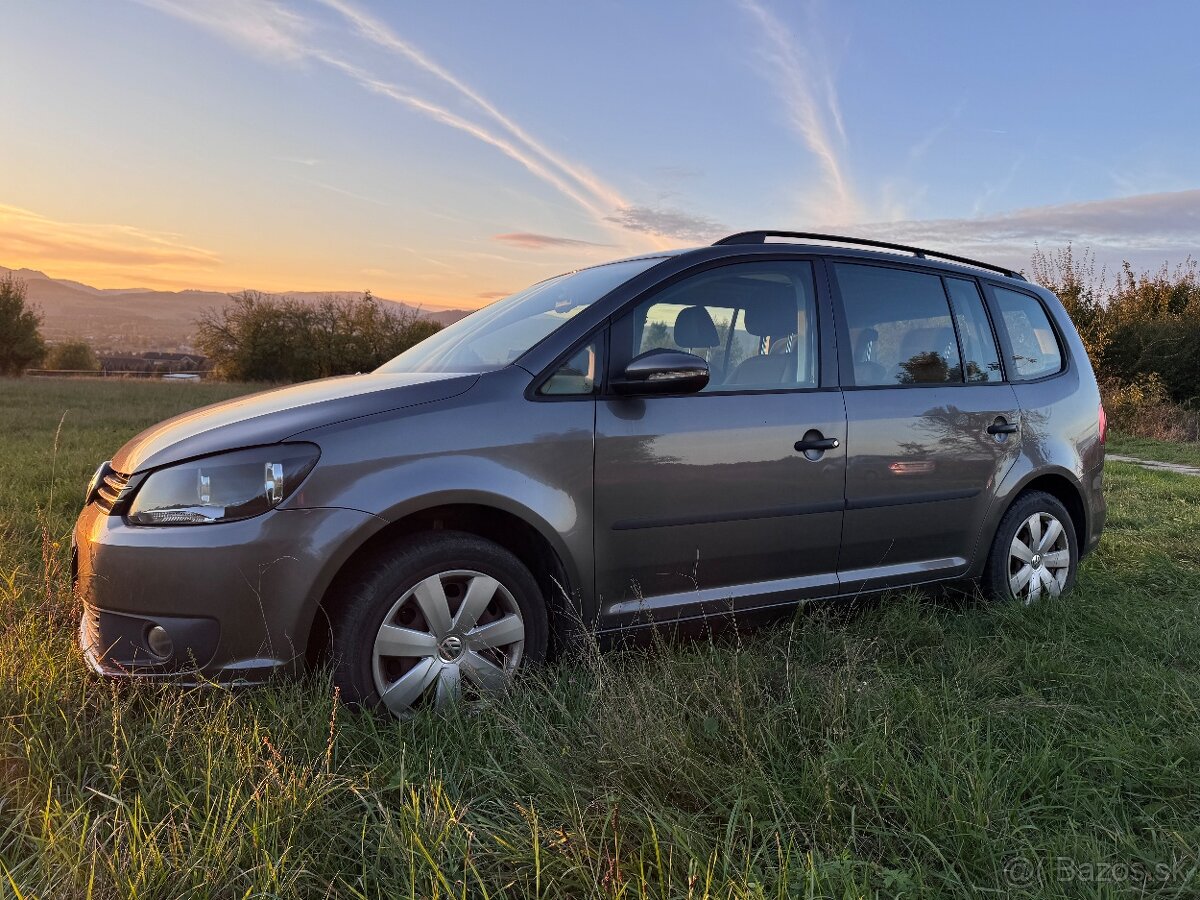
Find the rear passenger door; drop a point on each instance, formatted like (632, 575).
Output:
(932, 426)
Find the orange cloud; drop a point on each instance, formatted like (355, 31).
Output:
(29, 239)
(542, 241)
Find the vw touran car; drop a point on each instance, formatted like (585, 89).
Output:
(659, 441)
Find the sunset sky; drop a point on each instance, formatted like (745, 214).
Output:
(450, 153)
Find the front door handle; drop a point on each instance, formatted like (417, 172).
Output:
(1000, 426)
(819, 444)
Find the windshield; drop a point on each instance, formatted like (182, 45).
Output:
(498, 334)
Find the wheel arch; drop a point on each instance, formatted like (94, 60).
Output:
(523, 534)
(1058, 482)
(1068, 492)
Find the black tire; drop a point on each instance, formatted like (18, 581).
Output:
(1001, 565)
(375, 586)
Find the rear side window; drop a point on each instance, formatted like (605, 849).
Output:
(1034, 346)
(981, 362)
(900, 326)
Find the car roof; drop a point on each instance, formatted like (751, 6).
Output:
(839, 246)
(904, 259)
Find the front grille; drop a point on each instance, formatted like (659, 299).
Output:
(108, 491)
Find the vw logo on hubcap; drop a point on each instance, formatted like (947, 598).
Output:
(1037, 560)
(451, 648)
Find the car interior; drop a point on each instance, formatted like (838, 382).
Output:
(754, 332)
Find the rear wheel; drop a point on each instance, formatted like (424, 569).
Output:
(434, 618)
(1035, 553)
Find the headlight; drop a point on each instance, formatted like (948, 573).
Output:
(222, 488)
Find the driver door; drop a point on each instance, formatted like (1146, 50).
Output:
(703, 502)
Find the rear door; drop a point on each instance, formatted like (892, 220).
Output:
(932, 426)
(704, 503)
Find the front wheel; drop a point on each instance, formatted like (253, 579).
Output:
(433, 618)
(1034, 554)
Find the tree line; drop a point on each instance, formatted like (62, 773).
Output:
(1142, 333)
(1136, 326)
(255, 337)
(259, 337)
(1141, 330)
(21, 343)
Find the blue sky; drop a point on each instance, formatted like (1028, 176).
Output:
(447, 153)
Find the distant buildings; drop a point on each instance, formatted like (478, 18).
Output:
(152, 363)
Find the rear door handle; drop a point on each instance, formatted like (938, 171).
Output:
(818, 444)
(1002, 427)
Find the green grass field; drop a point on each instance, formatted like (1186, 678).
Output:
(917, 747)
(1149, 448)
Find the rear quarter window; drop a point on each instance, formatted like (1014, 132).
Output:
(1035, 349)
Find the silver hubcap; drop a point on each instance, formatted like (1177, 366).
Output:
(455, 632)
(1039, 559)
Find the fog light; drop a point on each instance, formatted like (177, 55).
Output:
(160, 642)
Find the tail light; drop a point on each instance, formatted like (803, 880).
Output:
(1103, 424)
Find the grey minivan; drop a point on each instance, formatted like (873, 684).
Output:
(721, 431)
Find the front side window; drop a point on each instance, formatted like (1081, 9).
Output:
(1034, 346)
(900, 327)
(754, 323)
(497, 335)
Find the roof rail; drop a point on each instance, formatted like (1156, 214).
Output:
(760, 237)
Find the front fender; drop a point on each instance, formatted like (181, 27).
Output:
(490, 447)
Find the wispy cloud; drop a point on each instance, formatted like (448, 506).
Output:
(334, 189)
(271, 30)
(1145, 229)
(453, 120)
(809, 96)
(265, 27)
(997, 188)
(378, 33)
(918, 150)
(542, 241)
(672, 222)
(36, 240)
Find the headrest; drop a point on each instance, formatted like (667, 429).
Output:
(863, 342)
(694, 328)
(771, 309)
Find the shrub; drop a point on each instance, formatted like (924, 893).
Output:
(75, 356)
(1084, 292)
(1136, 325)
(258, 337)
(1144, 408)
(1142, 333)
(1167, 348)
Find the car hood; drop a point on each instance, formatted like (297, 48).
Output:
(275, 415)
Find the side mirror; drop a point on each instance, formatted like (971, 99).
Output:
(663, 372)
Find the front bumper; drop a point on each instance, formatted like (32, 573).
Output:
(236, 599)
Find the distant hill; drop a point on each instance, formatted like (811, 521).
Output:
(144, 319)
